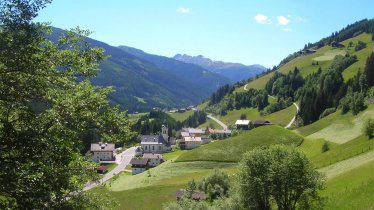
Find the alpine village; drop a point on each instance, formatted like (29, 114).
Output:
(89, 125)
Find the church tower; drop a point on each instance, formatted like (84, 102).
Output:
(165, 135)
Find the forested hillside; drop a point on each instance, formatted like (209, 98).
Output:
(141, 85)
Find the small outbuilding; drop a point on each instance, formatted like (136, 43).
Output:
(259, 123)
(242, 124)
(101, 169)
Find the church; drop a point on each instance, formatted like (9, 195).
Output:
(156, 143)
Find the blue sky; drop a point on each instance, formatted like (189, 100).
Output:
(244, 31)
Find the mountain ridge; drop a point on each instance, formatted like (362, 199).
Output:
(236, 72)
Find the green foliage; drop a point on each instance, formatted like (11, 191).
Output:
(281, 174)
(215, 185)
(220, 94)
(251, 98)
(243, 116)
(369, 128)
(369, 69)
(327, 112)
(323, 90)
(360, 45)
(285, 86)
(46, 111)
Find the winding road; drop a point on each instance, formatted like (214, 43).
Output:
(294, 117)
(124, 159)
(224, 126)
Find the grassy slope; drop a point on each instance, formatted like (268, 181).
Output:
(231, 150)
(150, 192)
(210, 123)
(336, 127)
(351, 190)
(304, 63)
(181, 116)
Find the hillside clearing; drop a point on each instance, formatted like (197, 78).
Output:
(347, 165)
(341, 131)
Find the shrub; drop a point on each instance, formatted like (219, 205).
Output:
(369, 128)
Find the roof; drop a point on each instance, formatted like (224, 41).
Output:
(101, 168)
(192, 138)
(140, 162)
(156, 139)
(194, 130)
(261, 122)
(105, 147)
(195, 195)
(152, 156)
(184, 134)
(242, 122)
(211, 130)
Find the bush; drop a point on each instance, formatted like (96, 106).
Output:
(369, 128)
(215, 185)
(360, 45)
(325, 147)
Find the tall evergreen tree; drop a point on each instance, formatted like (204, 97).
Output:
(369, 69)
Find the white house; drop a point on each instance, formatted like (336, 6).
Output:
(102, 151)
(156, 143)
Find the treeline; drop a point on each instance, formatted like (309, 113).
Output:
(220, 93)
(251, 98)
(152, 123)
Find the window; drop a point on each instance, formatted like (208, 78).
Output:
(145, 147)
(159, 148)
(153, 148)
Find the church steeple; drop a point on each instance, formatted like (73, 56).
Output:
(164, 131)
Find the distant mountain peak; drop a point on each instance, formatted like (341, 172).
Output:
(234, 71)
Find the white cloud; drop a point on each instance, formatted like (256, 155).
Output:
(262, 19)
(184, 10)
(283, 20)
(287, 29)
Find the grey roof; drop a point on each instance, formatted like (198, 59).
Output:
(105, 147)
(152, 156)
(140, 162)
(153, 138)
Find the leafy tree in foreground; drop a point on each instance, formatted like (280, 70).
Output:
(215, 185)
(47, 104)
(281, 174)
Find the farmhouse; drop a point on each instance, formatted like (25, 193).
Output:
(192, 138)
(102, 152)
(156, 143)
(242, 124)
(153, 159)
(139, 165)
